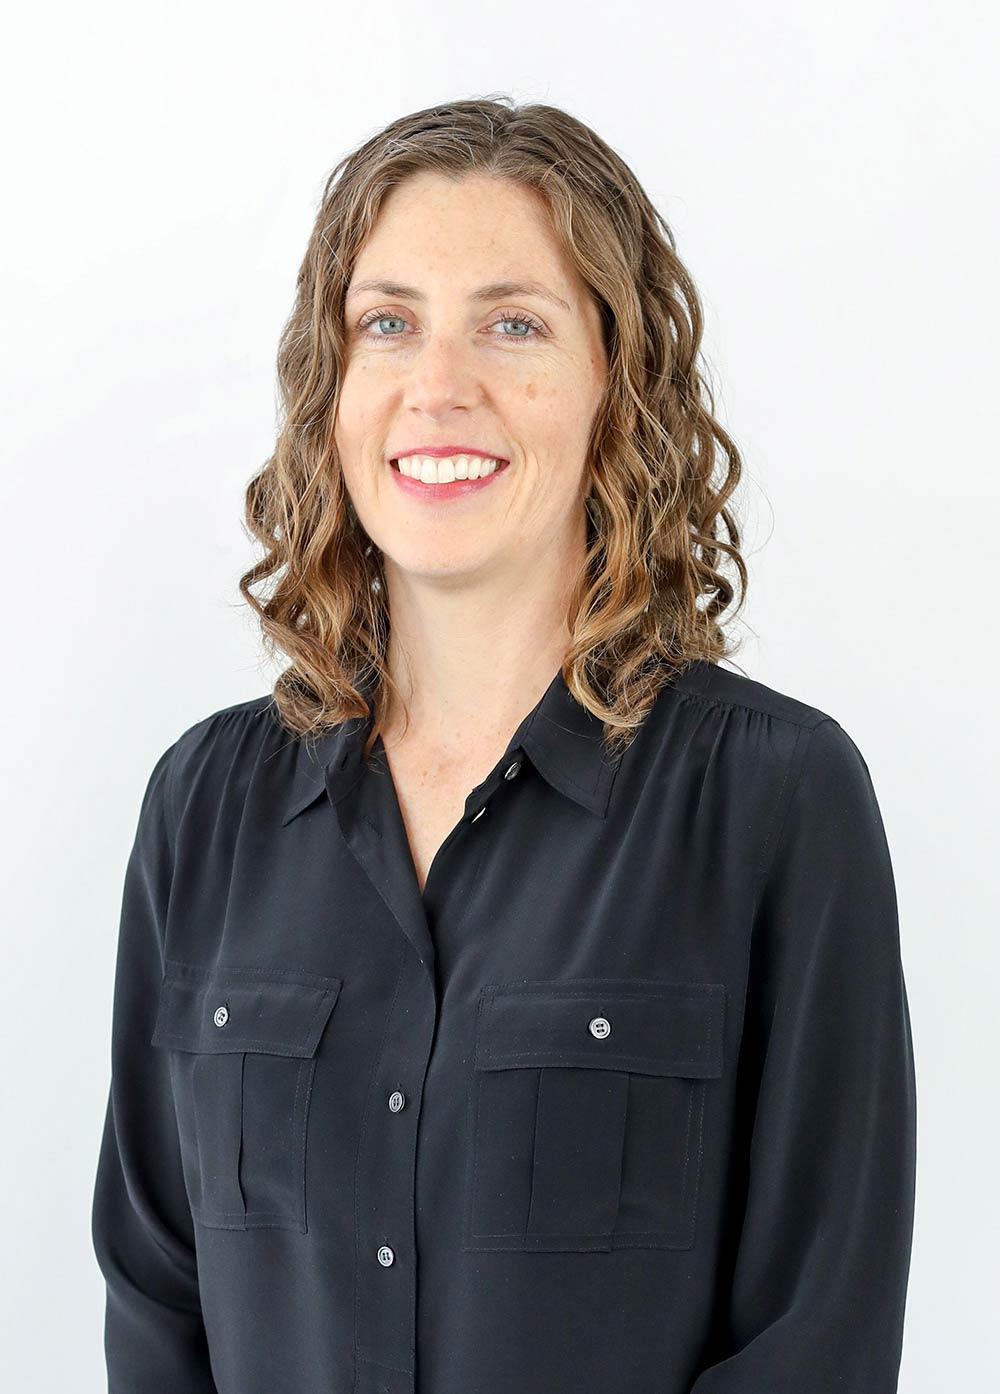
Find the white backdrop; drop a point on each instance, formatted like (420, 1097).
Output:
(825, 170)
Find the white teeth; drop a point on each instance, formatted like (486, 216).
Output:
(429, 469)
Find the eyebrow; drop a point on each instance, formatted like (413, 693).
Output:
(496, 290)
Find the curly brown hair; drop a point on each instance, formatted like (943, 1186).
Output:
(659, 532)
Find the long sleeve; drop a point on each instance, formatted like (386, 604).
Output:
(154, 1336)
(813, 1298)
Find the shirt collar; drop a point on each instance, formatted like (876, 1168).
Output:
(561, 738)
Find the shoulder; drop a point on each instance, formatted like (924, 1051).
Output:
(237, 716)
(217, 747)
(824, 826)
(816, 754)
(726, 688)
(230, 723)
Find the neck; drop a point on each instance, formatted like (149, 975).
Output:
(471, 661)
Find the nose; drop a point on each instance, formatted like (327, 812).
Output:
(441, 375)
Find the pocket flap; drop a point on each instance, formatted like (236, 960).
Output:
(217, 1011)
(656, 1028)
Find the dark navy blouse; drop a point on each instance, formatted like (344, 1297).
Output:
(622, 1103)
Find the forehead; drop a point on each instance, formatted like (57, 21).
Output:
(476, 229)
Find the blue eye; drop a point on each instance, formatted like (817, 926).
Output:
(382, 319)
(519, 319)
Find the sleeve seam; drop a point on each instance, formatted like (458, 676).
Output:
(171, 800)
(782, 804)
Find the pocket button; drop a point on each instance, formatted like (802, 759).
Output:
(600, 1027)
(221, 1016)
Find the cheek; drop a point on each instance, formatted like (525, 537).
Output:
(358, 418)
(359, 390)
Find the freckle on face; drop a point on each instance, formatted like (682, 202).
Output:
(531, 391)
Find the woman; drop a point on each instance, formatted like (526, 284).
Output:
(511, 1000)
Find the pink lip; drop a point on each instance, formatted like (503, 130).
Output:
(441, 493)
(440, 451)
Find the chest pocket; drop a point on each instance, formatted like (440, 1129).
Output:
(243, 1046)
(586, 1112)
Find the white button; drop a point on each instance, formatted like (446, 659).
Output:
(600, 1027)
(221, 1016)
(512, 771)
(479, 814)
(396, 1101)
(385, 1256)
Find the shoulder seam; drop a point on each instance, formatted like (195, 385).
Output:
(761, 711)
(251, 707)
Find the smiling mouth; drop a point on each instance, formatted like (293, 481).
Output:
(448, 469)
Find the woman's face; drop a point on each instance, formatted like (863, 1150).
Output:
(442, 357)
